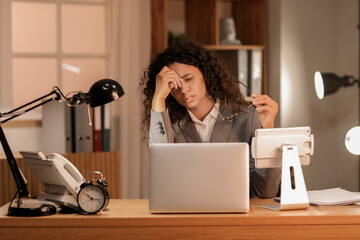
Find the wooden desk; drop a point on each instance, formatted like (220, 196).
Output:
(130, 219)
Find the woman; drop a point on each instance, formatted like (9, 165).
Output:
(190, 96)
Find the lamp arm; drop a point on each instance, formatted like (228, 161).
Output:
(13, 113)
(27, 110)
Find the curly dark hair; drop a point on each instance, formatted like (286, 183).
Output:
(220, 84)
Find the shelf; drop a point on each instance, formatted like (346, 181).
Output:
(236, 47)
(23, 123)
(199, 21)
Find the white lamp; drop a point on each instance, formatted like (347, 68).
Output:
(352, 140)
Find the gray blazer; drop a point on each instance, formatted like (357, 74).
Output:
(263, 182)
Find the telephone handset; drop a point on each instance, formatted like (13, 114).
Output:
(73, 179)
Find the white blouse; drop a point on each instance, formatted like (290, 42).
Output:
(206, 126)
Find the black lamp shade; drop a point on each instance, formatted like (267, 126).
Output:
(104, 91)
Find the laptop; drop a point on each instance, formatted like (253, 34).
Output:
(199, 178)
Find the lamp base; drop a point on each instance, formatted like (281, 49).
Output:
(31, 208)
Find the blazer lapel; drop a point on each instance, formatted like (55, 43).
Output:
(222, 127)
(188, 130)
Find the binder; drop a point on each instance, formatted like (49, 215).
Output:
(97, 130)
(106, 115)
(249, 70)
(56, 127)
(243, 72)
(256, 71)
(82, 131)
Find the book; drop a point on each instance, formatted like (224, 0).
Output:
(332, 197)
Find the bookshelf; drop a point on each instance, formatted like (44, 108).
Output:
(201, 24)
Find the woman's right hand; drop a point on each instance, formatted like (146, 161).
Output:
(165, 81)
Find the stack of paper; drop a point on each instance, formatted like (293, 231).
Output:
(332, 197)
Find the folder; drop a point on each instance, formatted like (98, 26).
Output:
(106, 115)
(97, 130)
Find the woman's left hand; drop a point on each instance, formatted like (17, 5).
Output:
(266, 108)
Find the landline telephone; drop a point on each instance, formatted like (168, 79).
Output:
(62, 181)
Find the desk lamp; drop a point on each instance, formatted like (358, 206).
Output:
(352, 140)
(100, 93)
(328, 83)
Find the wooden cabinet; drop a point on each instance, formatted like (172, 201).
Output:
(202, 18)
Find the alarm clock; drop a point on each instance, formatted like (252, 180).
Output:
(93, 196)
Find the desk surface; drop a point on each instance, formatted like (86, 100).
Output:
(130, 218)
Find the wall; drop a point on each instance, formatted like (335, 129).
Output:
(308, 36)
(134, 58)
(304, 36)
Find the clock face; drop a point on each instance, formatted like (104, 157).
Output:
(92, 198)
